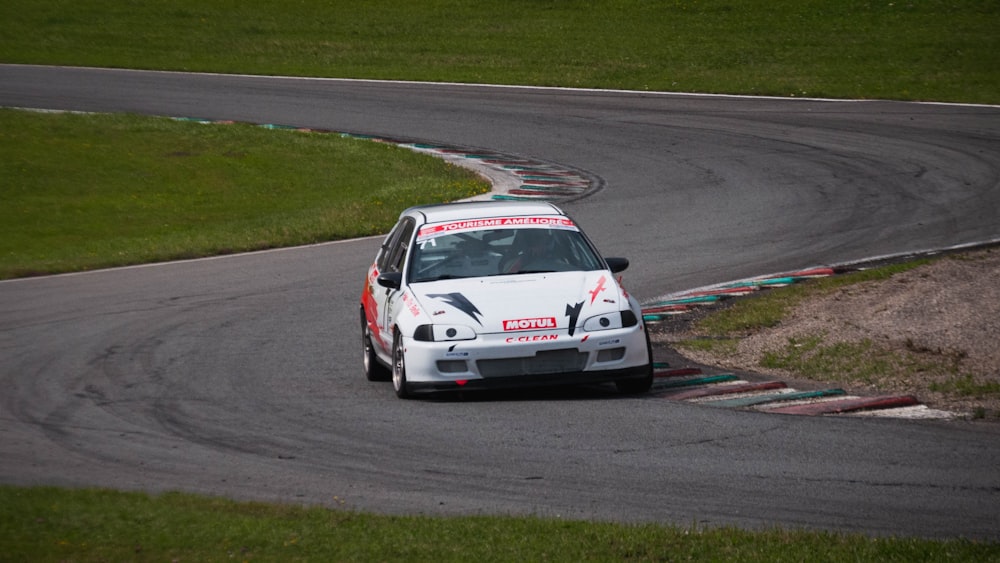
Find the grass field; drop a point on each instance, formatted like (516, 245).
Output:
(128, 189)
(907, 50)
(47, 524)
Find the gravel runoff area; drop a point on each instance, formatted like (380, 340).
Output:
(937, 326)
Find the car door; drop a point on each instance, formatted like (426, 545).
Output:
(392, 259)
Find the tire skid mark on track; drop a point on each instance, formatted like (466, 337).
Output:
(522, 178)
(514, 177)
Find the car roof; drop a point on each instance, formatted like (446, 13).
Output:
(479, 210)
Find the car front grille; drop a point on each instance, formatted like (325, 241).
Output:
(551, 361)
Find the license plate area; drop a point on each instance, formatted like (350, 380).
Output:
(548, 361)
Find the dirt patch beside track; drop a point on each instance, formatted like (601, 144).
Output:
(933, 332)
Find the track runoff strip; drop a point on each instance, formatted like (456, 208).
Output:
(725, 390)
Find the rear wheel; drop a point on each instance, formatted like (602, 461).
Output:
(399, 368)
(374, 370)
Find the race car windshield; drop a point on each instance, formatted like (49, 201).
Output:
(493, 252)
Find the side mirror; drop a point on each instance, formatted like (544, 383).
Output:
(392, 280)
(617, 264)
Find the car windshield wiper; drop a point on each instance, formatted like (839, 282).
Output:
(519, 272)
(441, 277)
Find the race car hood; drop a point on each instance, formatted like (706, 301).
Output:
(498, 304)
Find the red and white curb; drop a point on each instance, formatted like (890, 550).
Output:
(729, 391)
(515, 177)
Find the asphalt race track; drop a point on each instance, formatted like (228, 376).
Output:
(241, 376)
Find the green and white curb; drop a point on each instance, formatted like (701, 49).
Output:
(729, 391)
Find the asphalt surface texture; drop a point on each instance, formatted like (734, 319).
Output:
(241, 376)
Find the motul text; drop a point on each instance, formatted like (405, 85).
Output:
(530, 324)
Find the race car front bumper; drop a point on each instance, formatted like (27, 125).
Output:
(527, 359)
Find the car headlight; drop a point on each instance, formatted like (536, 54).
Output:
(608, 321)
(443, 333)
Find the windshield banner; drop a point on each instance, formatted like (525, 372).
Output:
(430, 231)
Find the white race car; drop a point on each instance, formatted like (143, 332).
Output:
(483, 295)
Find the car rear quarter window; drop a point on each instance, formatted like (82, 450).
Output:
(394, 253)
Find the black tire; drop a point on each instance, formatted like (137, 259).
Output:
(374, 370)
(638, 386)
(399, 368)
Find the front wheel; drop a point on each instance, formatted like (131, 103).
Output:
(399, 368)
(635, 386)
(639, 385)
(374, 370)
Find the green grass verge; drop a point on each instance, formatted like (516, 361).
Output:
(880, 366)
(861, 361)
(48, 524)
(910, 50)
(87, 191)
(768, 308)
